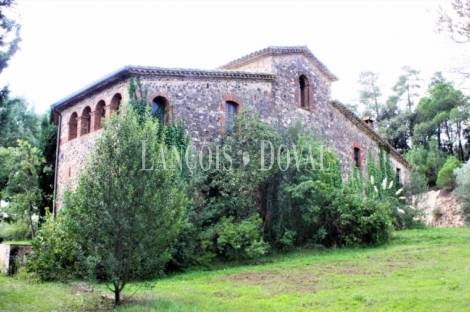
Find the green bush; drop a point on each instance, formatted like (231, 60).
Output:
(56, 254)
(352, 220)
(428, 161)
(446, 176)
(235, 241)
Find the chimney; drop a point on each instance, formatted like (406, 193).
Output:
(369, 121)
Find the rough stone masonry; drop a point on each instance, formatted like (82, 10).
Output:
(280, 84)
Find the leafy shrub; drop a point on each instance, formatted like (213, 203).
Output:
(418, 183)
(446, 176)
(353, 220)
(234, 241)
(462, 191)
(56, 254)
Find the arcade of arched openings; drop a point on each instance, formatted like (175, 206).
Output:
(91, 118)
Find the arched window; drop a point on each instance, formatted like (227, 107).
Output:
(116, 102)
(160, 109)
(231, 110)
(100, 113)
(85, 124)
(72, 126)
(304, 96)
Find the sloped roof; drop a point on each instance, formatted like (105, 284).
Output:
(369, 131)
(134, 71)
(270, 51)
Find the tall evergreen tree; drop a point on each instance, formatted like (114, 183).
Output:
(127, 217)
(406, 86)
(370, 93)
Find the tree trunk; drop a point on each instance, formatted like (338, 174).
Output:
(409, 99)
(439, 137)
(117, 294)
(31, 220)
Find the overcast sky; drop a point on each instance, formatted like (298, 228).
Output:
(69, 44)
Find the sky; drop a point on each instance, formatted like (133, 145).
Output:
(68, 44)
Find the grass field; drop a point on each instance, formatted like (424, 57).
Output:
(420, 270)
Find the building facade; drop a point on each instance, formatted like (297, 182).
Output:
(280, 84)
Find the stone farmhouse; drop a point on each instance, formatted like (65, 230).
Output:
(280, 84)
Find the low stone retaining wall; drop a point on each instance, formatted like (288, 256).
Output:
(13, 255)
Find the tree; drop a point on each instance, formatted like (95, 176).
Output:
(446, 176)
(395, 125)
(456, 26)
(406, 85)
(126, 213)
(47, 146)
(22, 192)
(370, 93)
(436, 120)
(17, 121)
(427, 159)
(9, 34)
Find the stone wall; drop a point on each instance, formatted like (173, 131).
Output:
(11, 254)
(198, 98)
(200, 102)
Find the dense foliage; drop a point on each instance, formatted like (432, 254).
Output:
(272, 189)
(124, 217)
(446, 177)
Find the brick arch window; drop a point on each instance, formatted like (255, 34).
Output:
(304, 92)
(98, 115)
(357, 155)
(85, 121)
(116, 102)
(231, 106)
(160, 109)
(73, 126)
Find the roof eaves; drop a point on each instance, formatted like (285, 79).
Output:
(269, 51)
(369, 131)
(120, 73)
(128, 71)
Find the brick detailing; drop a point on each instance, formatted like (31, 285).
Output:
(97, 115)
(304, 92)
(272, 96)
(84, 121)
(357, 147)
(168, 105)
(72, 125)
(115, 102)
(223, 106)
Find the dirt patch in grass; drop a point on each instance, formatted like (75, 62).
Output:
(277, 282)
(315, 277)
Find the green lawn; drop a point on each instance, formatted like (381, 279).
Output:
(421, 270)
(23, 242)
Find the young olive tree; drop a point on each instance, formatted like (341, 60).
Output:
(127, 219)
